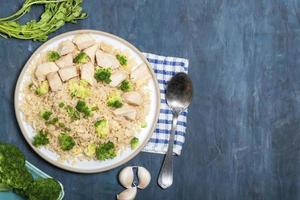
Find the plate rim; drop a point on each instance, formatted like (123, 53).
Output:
(17, 106)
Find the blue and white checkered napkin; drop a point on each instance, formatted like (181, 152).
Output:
(165, 68)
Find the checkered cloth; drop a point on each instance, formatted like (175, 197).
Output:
(165, 68)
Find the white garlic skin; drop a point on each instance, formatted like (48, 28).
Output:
(144, 177)
(126, 177)
(128, 194)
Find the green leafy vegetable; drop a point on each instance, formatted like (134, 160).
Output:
(66, 142)
(126, 86)
(102, 128)
(52, 121)
(106, 151)
(81, 58)
(56, 14)
(14, 176)
(40, 139)
(44, 189)
(134, 142)
(73, 114)
(83, 108)
(46, 114)
(53, 56)
(103, 74)
(122, 59)
(42, 89)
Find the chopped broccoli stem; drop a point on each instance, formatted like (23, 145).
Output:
(126, 86)
(40, 139)
(73, 114)
(83, 108)
(61, 104)
(102, 128)
(122, 59)
(90, 150)
(44, 189)
(66, 142)
(53, 56)
(42, 89)
(103, 74)
(46, 115)
(106, 151)
(81, 58)
(134, 142)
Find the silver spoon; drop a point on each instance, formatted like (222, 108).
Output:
(179, 96)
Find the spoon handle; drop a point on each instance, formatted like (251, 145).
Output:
(165, 178)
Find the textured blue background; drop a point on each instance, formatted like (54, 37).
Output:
(243, 126)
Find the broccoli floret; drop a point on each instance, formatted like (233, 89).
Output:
(114, 101)
(106, 151)
(81, 58)
(53, 56)
(46, 114)
(126, 86)
(103, 74)
(80, 90)
(41, 138)
(73, 114)
(102, 128)
(61, 104)
(122, 59)
(44, 189)
(83, 108)
(90, 150)
(134, 142)
(42, 89)
(66, 142)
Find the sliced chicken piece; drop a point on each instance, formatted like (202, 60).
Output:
(106, 47)
(43, 69)
(91, 52)
(106, 60)
(67, 73)
(133, 98)
(117, 78)
(66, 47)
(140, 72)
(87, 73)
(54, 81)
(84, 41)
(65, 61)
(127, 112)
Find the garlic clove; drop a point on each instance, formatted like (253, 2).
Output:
(126, 177)
(128, 194)
(144, 177)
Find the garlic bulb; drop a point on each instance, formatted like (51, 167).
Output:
(128, 194)
(144, 177)
(126, 177)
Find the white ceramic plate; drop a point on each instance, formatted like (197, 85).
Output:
(86, 166)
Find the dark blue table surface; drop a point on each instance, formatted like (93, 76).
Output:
(243, 126)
